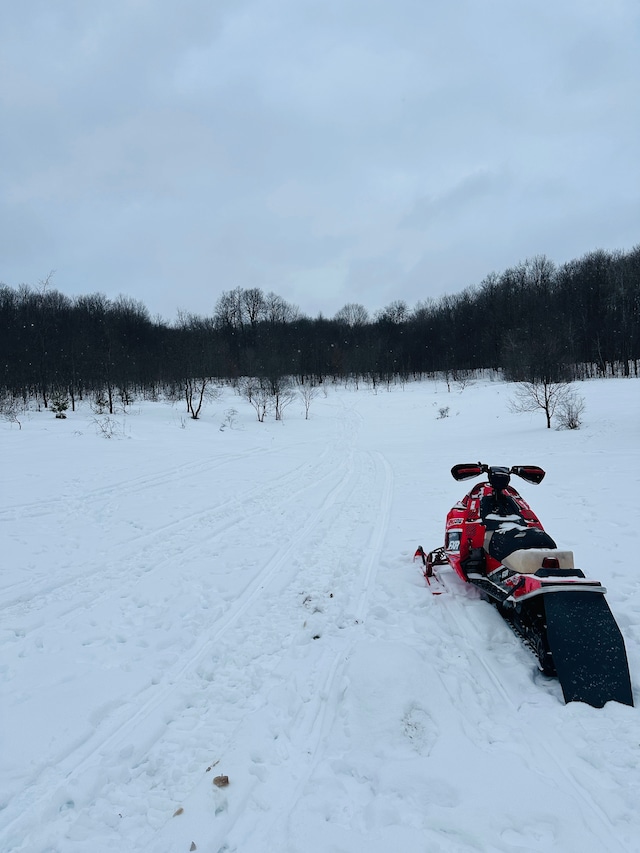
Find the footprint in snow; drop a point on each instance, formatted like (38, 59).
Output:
(420, 729)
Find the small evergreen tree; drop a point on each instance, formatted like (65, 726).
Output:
(59, 406)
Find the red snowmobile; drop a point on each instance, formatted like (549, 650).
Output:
(494, 540)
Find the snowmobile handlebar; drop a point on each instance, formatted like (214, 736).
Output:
(465, 471)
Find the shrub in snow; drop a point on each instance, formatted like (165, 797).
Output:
(9, 410)
(570, 411)
(229, 419)
(108, 427)
(99, 405)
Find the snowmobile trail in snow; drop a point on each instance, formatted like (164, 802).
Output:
(265, 621)
(119, 725)
(135, 728)
(298, 716)
(151, 541)
(184, 539)
(301, 717)
(373, 558)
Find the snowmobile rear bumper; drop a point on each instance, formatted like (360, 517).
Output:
(546, 588)
(511, 588)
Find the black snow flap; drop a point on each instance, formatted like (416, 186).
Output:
(587, 649)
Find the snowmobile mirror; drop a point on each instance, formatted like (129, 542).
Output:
(466, 471)
(530, 473)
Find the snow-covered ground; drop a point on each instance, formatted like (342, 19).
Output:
(183, 602)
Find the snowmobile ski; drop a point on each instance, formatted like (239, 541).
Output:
(434, 583)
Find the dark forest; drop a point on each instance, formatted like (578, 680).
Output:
(533, 321)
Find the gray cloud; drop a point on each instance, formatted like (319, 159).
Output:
(329, 151)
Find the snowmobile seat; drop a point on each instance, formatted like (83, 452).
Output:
(528, 561)
(512, 535)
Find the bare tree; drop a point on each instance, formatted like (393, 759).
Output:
(283, 394)
(196, 391)
(9, 410)
(541, 394)
(463, 379)
(395, 312)
(257, 393)
(229, 309)
(352, 314)
(279, 311)
(253, 304)
(308, 393)
(424, 310)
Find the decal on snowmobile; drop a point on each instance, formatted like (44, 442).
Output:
(498, 544)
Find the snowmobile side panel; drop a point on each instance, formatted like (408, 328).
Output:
(587, 648)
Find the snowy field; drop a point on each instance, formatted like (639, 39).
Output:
(183, 602)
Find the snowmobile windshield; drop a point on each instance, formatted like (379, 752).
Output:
(499, 478)
(498, 506)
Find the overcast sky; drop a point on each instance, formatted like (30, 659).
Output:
(331, 151)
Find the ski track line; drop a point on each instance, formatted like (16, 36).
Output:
(471, 653)
(333, 689)
(157, 537)
(584, 795)
(124, 488)
(80, 506)
(448, 621)
(312, 725)
(116, 731)
(282, 484)
(311, 719)
(373, 560)
(319, 717)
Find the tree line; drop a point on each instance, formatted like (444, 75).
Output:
(533, 321)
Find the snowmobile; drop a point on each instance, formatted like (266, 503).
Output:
(495, 541)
